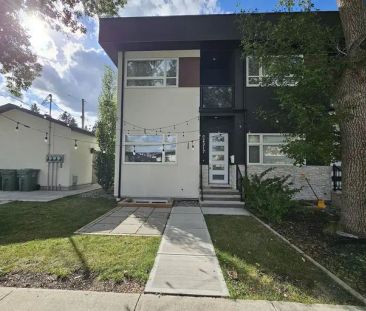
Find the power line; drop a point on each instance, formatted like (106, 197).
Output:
(54, 104)
(16, 98)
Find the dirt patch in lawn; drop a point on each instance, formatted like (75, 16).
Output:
(76, 281)
(311, 230)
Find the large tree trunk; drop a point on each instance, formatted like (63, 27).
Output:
(351, 100)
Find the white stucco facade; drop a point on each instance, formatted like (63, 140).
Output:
(155, 107)
(26, 148)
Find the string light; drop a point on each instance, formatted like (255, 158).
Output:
(134, 150)
(192, 146)
(103, 151)
(161, 127)
(163, 148)
(17, 127)
(76, 141)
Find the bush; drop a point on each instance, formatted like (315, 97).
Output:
(270, 196)
(105, 170)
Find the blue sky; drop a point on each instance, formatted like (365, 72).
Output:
(73, 65)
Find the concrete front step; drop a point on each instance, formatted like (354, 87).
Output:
(209, 191)
(221, 197)
(209, 203)
(219, 186)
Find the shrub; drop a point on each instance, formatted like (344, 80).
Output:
(270, 196)
(105, 170)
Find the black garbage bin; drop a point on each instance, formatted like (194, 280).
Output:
(9, 180)
(28, 179)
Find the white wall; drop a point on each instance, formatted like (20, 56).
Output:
(158, 107)
(81, 158)
(27, 148)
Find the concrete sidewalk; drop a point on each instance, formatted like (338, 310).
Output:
(20, 299)
(186, 263)
(43, 195)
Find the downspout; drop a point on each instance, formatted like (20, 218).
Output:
(245, 113)
(121, 126)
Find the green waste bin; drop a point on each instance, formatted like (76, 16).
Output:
(9, 180)
(28, 179)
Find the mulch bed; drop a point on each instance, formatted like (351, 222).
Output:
(312, 230)
(76, 281)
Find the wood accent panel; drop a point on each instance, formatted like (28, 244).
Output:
(189, 72)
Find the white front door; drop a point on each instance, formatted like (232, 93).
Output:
(218, 158)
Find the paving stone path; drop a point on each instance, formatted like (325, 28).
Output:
(186, 263)
(129, 221)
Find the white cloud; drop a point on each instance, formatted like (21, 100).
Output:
(170, 7)
(73, 64)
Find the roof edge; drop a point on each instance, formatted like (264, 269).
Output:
(9, 107)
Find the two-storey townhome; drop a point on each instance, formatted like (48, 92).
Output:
(187, 109)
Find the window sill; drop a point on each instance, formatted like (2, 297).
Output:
(267, 164)
(151, 163)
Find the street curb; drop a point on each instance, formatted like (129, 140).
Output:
(330, 274)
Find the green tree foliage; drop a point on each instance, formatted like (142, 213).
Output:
(34, 108)
(68, 119)
(106, 130)
(302, 60)
(18, 61)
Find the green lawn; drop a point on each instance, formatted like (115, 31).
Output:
(258, 265)
(38, 237)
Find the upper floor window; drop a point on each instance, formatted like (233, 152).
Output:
(266, 149)
(256, 72)
(152, 72)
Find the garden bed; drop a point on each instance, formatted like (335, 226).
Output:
(312, 230)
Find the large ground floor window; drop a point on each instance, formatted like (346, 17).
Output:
(266, 149)
(150, 148)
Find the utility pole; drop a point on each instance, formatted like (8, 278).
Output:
(49, 124)
(49, 140)
(82, 113)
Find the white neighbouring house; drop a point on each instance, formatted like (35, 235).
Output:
(24, 145)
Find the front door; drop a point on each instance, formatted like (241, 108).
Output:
(218, 158)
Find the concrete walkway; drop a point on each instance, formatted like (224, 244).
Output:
(134, 221)
(186, 263)
(20, 299)
(43, 195)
